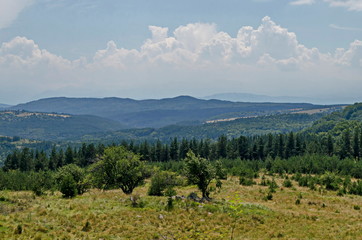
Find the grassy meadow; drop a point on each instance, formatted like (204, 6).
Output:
(236, 212)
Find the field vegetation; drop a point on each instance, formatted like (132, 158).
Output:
(235, 212)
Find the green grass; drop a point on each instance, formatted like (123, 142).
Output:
(109, 215)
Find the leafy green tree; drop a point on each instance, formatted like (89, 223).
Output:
(119, 167)
(70, 176)
(68, 187)
(199, 171)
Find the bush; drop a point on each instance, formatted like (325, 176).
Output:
(160, 181)
(246, 181)
(68, 187)
(41, 181)
(356, 188)
(72, 180)
(331, 181)
(287, 183)
(272, 186)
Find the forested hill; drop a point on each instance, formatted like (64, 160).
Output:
(337, 122)
(4, 106)
(51, 126)
(275, 124)
(153, 113)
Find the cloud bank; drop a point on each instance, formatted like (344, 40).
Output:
(195, 59)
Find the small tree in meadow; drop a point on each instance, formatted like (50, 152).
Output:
(119, 167)
(71, 180)
(199, 171)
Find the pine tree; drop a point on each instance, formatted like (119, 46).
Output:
(158, 151)
(53, 159)
(205, 150)
(356, 150)
(222, 146)
(174, 149)
(290, 146)
(298, 145)
(280, 146)
(260, 149)
(269, 151)
(26, 160)
(346, 145)
(330, 145)
(243, 147)
(69, 156)
(145, 151)
(184, 148)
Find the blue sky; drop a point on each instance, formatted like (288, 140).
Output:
(164, 48)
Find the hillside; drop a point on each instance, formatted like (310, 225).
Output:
(336, 122)
(282, 123)
(152, 113)
(46, 126)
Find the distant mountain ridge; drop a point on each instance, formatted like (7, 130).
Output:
(48, 126)
(184, 110)
(248, 97)
(4, 106)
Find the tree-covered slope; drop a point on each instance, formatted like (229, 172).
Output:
(159, 113)
(245, 126)
(336, 122)
(45, 126)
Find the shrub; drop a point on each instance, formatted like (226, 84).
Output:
(287, 183)
(68, 187)
(160, 181)
(331, 181)
(246, 181)
(272, 186)
(72, 180)
(269, 196)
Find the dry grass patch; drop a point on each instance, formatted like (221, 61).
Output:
(110, 215)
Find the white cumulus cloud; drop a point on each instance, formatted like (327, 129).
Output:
(195, 59)
(10, 9)
(303, 2)
(353, 5)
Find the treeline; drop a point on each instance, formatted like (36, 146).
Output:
(29, 159)
(262, 148)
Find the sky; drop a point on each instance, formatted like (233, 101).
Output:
(164, 48)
